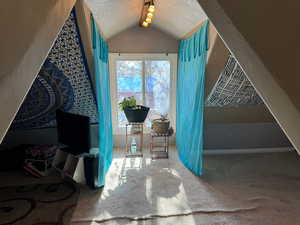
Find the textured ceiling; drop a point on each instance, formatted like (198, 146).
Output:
(176, 17)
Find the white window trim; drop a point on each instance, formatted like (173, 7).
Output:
(113, 57)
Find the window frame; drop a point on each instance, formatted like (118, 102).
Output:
(113, 57)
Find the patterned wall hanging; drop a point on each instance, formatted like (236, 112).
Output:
(233, 88)
(63, 82)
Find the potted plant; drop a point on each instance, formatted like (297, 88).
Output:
(134, 113)
(161, 125)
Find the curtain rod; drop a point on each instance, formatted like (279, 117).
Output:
(167, 53)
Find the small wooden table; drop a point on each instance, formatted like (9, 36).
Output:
(138, 131)
(163, 152)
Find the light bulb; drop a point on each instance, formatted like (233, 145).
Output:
(150, 15)
(148, 20)
(145, 24)
(151, 9)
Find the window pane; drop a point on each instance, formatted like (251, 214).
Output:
(129, 83)
(157, 88)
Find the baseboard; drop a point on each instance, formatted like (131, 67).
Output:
(235, 151)
(247, 150)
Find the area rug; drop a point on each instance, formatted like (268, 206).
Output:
(255, 189)
(38, 204)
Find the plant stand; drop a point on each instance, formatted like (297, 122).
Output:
(163, 148)
(139, 132)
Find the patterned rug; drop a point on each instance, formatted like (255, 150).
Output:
(233, 88)
(38, 204)
(64, 82)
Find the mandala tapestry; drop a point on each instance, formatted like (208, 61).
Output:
(63, 82)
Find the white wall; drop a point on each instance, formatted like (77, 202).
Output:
(141, 40)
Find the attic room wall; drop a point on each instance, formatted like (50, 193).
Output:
(245, 127)
(142, 40)
(236, 127)
(242, 122)
(29, 29)
(71, 87)
(152, 40)
(264, 38)
(271, 28)
(217, 58)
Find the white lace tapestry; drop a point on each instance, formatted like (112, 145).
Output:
(232, 88)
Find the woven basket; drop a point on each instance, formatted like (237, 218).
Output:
(160, 126)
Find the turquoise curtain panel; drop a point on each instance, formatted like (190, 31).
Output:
(100, 50)
(190, 99)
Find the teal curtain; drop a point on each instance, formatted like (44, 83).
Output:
(100, 50)
(190, 99)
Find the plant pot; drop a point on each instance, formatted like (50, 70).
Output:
(136, 115)
(160, 126)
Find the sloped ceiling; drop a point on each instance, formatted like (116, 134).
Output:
(176, 17)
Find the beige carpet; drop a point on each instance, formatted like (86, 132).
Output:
(253, 189)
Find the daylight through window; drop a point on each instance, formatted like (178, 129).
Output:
(148, 80)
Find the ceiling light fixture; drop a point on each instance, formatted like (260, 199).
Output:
(147, 13)
(148, 20)
(145, 24)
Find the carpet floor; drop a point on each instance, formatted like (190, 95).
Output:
(45, 201)
(249, 189)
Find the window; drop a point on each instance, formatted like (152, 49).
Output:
(149, 78)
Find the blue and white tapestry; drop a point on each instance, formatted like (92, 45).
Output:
(233, 89)
(63, 82)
